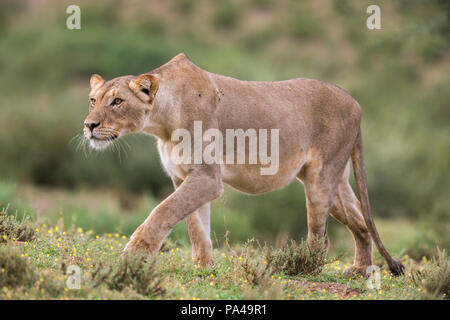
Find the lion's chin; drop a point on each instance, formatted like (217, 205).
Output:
(99, 144)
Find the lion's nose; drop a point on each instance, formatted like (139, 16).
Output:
(91, 125)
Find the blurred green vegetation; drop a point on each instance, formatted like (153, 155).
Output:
(399, 74)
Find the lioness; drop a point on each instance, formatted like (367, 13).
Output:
(319, 130)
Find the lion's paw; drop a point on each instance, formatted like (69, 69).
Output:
(138, 243)
(205, 262)
(353, 271)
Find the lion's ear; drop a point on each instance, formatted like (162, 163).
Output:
(96, 81)
(145, 87)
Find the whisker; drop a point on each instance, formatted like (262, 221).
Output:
(111, 143)
(118, 150)
(75, 137)
(80, 141)
(126, 144)
(121, 145)
(83, 144)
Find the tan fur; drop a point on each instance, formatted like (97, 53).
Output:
(319, 131)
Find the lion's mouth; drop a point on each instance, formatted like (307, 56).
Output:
(101, 143)
(110, 138)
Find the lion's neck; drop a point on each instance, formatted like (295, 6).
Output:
(157, 122)
(156, 130)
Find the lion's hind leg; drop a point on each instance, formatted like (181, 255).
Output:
(347, 210)
(319, 191)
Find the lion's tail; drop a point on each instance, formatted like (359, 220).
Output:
(395, 266)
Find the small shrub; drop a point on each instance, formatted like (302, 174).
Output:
(53, 284)
(300, 258)
(435, 280)
(256, 263)
(10, 228)
(13, 268)
(133, 270)
(417, 253)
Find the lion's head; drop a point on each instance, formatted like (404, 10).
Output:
(118, 107)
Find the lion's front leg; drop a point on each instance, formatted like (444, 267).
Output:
(198, 226)
(201, 186)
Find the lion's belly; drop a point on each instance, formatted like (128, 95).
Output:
(248, 178)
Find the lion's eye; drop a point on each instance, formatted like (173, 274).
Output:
(92, 100)
(117, 101)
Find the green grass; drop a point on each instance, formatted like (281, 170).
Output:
(37, 269)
